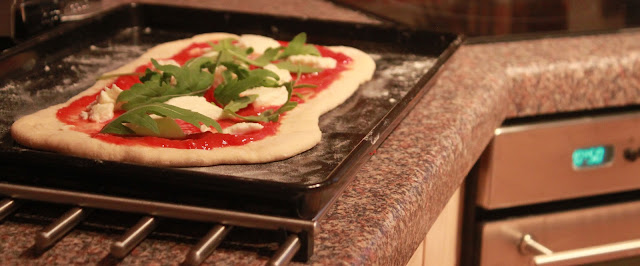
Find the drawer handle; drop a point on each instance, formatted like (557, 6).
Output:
(581, 255)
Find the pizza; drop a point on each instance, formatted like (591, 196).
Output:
(215, 98)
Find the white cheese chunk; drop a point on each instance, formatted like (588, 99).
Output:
(242, 128)
(109, 95)
(313, 61)
(102, 109)
(84, 115)
(283, 74)
(268, 96)
(196, 104)
(101, 112)
(257, 42)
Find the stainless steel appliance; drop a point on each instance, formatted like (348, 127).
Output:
(558, 190)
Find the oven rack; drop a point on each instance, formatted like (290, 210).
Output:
(298, 245)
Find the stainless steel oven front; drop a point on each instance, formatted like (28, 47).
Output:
(558, 190)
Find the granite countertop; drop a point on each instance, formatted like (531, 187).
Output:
(384, 215)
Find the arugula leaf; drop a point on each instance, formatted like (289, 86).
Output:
(190, 76)
(269, 115)
(284, 108)
(305, 86)
(231, 88)
(297, 46)
(291, 67)
(169, 81)
(245, 59)
(232, 50)
(118, 75)
(157, 87)
(301, 96)
(140, 116)
(242, 55)
(268, 56)
(240, 71)
(240, 103)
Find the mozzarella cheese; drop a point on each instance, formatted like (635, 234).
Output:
(109, 95)
(283, 74)
(242, 128)
(257, 42)
(268, 96)
(102, 109)
(313, 61)
(101, 112)
(196, 104)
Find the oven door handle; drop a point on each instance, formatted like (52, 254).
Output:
(580, 255)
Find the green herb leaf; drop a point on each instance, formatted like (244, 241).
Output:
(230, 49)
(305, 86)
(246, 59)
(157, 87)
(297, 46)
(269, 115)
(118, 75)
(268, 56)
(169, 81)
(298, 68)
(242, 55)
(140, 116)
(240, 103)
(230, 90)
(301, 96)
(241, 72)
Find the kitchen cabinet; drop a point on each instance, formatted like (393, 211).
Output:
(441, 245)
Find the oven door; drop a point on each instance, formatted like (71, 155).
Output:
(599, 234)
(586, 155)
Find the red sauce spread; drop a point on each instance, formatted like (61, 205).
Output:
(196, 139)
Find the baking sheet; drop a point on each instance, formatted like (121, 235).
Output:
(70, 60)
(343, 127)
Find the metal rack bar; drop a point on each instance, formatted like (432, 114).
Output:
(133, 237)
(206, 245)
(7, 206)
(55, 231)
(156, 208)
(227, 218)
(286, 252)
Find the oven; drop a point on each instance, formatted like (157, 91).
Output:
(559, 189)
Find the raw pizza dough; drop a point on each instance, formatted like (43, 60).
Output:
(297, 133)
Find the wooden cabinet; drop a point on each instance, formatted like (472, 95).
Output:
(441, 246)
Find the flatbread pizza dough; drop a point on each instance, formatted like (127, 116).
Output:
(298, 130)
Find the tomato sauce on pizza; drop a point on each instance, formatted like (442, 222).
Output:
(194, 138)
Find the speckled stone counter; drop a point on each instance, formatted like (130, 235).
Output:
(384, 215)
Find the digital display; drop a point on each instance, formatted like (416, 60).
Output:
(590, 157)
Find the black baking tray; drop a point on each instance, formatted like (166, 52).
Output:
(53, 67)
